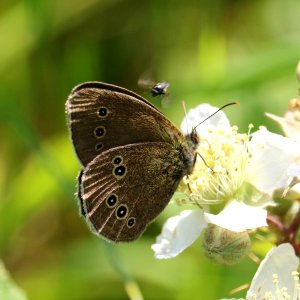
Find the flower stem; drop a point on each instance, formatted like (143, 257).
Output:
(287, 234)
(275, 223)
(131, 287)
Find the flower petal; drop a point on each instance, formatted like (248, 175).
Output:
(281, 261)
(237, 216)
(178, 233)
(272, 154)
(294, 170)
(289, 124)
(198, 114)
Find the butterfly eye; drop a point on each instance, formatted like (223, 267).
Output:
(99, 131)
(130, 222)
(117, 160)
(98, 146)
(119, 172)
(112, 200)
(103, 112)
(121, 212)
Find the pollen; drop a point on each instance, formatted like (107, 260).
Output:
(279, 292)
(219, 170)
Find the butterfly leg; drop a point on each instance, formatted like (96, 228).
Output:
(188, 184)
(190, 189)
(194, 162)
(195, 159)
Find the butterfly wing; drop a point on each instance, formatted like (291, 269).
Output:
(125, 188)
(103, 116)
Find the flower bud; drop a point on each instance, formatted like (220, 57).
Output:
(223, 246)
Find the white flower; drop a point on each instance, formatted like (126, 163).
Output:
(236, 182)
(240, 164)
(234, 190)
(294, 170)
(196, 115)
(237, 216)
(276, 157)
(277, 277)
(290, 124)
(178, 233)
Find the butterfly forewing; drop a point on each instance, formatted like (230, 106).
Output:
(103, 116)
(125, 188)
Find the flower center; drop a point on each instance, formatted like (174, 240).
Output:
(280, 292)
(226, 153)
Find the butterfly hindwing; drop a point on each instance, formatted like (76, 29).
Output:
(125, 188)
(103, 116)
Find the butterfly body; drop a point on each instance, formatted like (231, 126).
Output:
(132, 156)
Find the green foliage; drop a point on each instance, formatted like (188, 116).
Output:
(216, 52)
(8, 289)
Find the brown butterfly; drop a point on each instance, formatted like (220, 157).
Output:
(132, 158)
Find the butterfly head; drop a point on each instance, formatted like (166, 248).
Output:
(189, 148)
(193, 139)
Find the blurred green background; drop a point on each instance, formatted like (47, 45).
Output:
(216, 52)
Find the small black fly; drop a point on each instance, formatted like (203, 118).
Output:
(160, 88)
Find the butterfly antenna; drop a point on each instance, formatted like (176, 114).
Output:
(222, 107)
